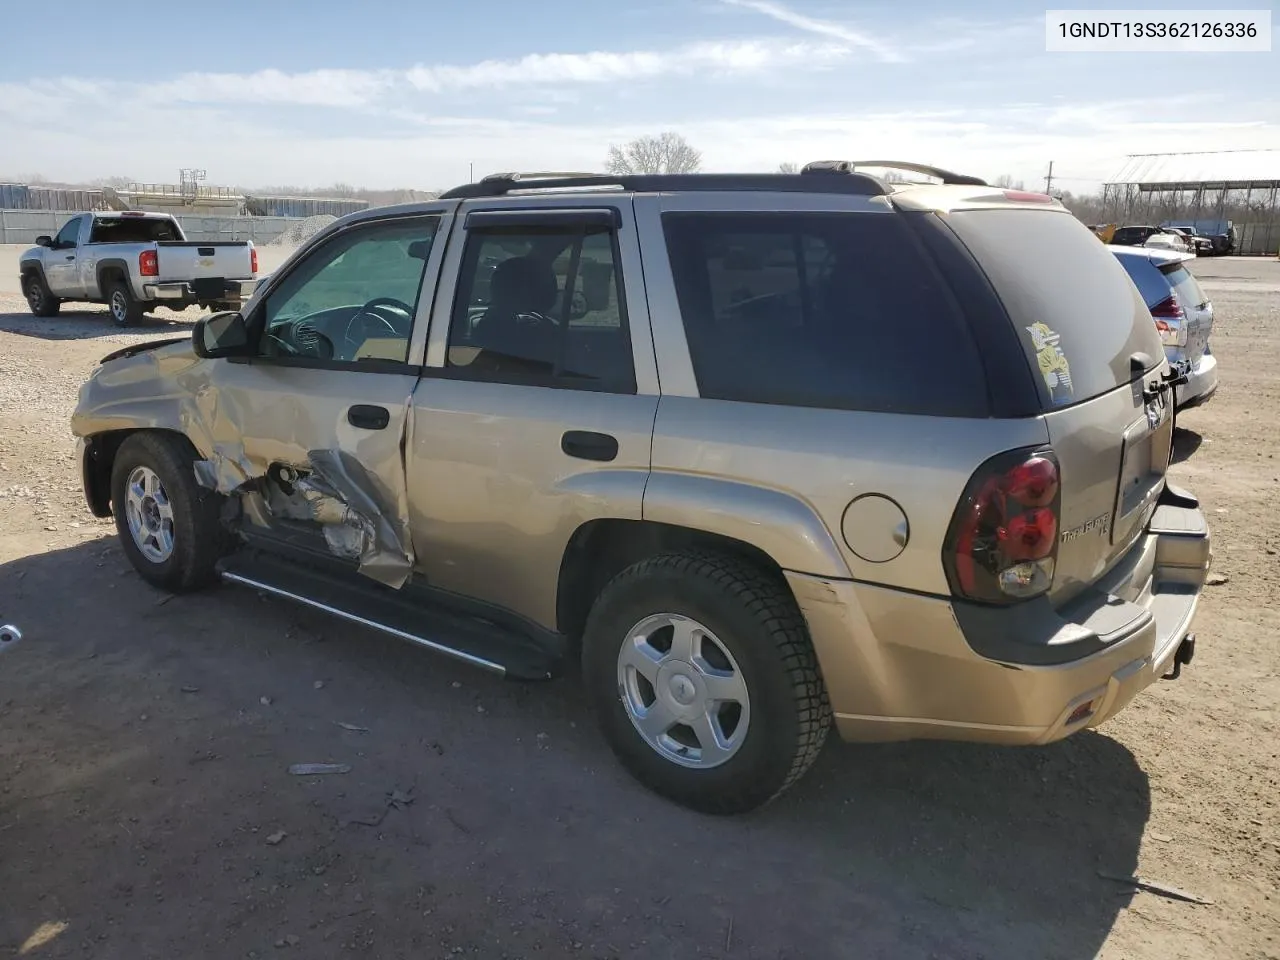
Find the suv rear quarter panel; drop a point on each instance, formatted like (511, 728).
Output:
(822, 460)
(816, 460)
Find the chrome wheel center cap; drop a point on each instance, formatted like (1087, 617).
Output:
(682, 689)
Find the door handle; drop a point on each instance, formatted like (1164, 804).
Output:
(368, 417)
(588, 445)
(71, 256)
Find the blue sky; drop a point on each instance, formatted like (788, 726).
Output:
(386, 94)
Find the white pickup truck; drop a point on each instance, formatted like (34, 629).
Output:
(131, 261)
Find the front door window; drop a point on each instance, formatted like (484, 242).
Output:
(353, 300)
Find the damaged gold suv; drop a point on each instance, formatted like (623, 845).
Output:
(767, 452)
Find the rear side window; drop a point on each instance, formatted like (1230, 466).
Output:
(1184, 284)
(835, 310)
(1078, 316)
(1147, 277)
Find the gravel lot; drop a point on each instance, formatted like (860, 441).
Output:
(146, 809)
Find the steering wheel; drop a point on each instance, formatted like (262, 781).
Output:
(385, 312)
(321, 347)
(398, 305)
(533, 318)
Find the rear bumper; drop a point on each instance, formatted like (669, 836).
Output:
(231, 290)
(1201, 385)
(903, 666)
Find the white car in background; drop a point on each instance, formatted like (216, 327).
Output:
(1169, 240)
(1182, 313)
(1196, 244)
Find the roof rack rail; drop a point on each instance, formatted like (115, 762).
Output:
(848, 166)
(539, 175)
(499, 185)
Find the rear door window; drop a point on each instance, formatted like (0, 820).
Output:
(835, 310)
(1078, 316)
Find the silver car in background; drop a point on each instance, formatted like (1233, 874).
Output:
(1183, 315)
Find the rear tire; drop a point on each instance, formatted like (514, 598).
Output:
(169, 525)
(750, 652)
(125, 310)
(39, 297)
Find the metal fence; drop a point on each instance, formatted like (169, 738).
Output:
(1252, 207)
(23, 226)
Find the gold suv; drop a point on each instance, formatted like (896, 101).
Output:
(765, 451)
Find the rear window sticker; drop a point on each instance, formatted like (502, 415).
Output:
(1052, 362)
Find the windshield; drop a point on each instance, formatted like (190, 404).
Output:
(1078, 315)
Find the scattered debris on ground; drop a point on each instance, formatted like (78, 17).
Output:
(1160, 889)
(318, 769)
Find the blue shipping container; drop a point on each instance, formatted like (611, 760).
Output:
(14, 196)
(63, 198)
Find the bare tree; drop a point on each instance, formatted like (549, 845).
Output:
(666, 153)
(1006, 182)
(788, 167)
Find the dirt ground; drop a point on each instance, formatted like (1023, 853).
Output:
(146, 809)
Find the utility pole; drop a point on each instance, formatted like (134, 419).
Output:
(1048, 180)
(471, 175)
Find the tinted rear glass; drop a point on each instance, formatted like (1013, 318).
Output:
(1185, 284)
(1130, 236)
(836, 310)
(1148, 278)
(131, 230)
(1078, 315)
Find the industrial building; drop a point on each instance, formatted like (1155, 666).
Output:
(1239, 188)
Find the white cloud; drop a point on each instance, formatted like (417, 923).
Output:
(1085, 141)
(826, 28)
(326, 88)
(551, 73)
(423, 125)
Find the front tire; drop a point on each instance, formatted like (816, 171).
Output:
(702, 676)
(40, 298)
(169, 525)
(126, 311)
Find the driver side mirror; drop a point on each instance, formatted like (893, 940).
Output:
(220, 335)
(44, 240)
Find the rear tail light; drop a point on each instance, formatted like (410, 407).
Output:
(253, 259)
(149, 263)
(1003, 542)
(1170, 321)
